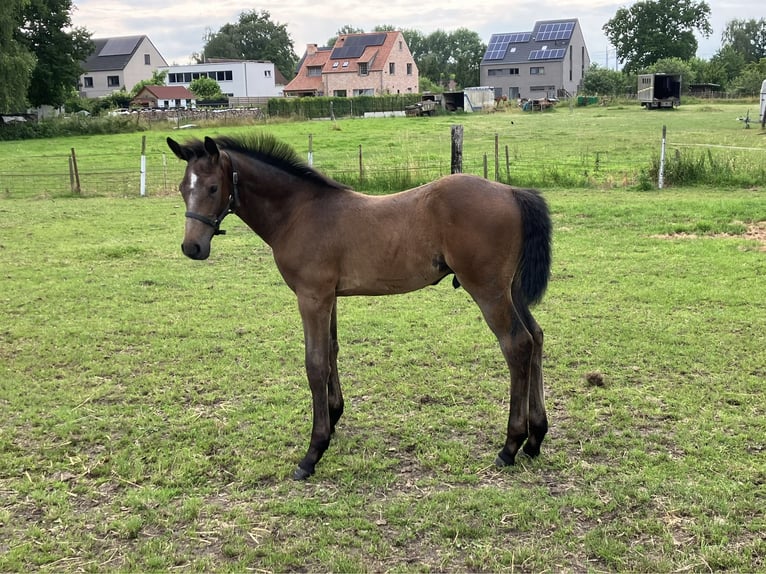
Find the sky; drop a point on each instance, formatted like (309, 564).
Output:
(177, 29)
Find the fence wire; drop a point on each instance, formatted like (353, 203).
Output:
(377, 172)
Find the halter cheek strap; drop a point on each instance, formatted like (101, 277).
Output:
(231, 207)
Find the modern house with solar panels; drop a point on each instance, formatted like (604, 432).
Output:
(118, 63)
(357, 65)
(550, 61)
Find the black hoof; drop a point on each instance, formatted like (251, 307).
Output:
(301, 474)
(531, 450)
(503, 459)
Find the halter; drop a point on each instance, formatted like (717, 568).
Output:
(231, 207)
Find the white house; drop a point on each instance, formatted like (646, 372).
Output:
(251, 79)
(118, 63)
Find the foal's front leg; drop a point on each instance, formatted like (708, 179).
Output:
(316, 314)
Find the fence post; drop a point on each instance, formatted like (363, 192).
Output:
(508, 165)
(497, 158)
(457, 149)
(661, 175)
(361, 165)
(143, 166)
(77, 188)
(311, 149)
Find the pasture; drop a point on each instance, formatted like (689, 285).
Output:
(153, 407)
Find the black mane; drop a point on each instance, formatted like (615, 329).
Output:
(268, 149)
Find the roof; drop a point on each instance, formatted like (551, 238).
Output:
(112, 53)
(166, 93)
(548, 40)
(344, 56)
(313, 58)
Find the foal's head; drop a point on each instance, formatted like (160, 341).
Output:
(209, 191)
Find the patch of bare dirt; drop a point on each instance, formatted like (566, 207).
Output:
(754, 232)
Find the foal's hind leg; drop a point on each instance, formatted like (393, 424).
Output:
(538, 419)
(334, 394)
(517, 345)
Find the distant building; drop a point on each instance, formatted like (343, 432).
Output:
(164, 98)
(357, 65)
(549, 61)
(118, 63)
(240, 80)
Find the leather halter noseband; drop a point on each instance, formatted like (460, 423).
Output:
(231, 207)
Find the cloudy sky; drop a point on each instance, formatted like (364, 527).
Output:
(177, 28)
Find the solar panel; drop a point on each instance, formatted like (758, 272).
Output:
(354, 46)
(498, 44)
(547, 54)
(119, 46)
(555, 31)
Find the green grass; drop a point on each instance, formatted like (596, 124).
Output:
(614, 147)
(154, 407)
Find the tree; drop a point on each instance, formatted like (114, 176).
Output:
(253, 37)
(674, 66)
(442, 56)
(748, 83)
(748, 37)
(654, 29)
(206, 88)
(158, 79)
(726, 65)
(58, 52)
(16, 61)
(600, 81)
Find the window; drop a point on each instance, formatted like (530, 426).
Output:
(195, 75)
(147, 59)
(113, 81)
(87, 81)
(537, 70)
(391, 68)
(267, 73)
(339, 93)
(409, 69)
(314, 71)
(364, 92)
(514, 71)
(362, 68)
(187, 77)
(171, 78)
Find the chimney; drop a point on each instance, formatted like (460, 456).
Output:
(311, 49)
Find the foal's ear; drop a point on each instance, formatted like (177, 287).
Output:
(211, 147)
(181, 152)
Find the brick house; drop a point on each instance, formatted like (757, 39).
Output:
(357, 65)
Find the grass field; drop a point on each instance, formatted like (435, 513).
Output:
(607, 147)
(153, 408)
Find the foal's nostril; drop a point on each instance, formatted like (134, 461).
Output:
(190, 249)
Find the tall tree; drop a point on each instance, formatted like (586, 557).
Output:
(47, 32)
(253, 37)
(16, 61)
(466, 52)
(748, 37)
(654, 29)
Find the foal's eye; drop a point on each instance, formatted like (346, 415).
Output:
(213, 189)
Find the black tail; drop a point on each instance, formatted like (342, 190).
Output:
(535, 265)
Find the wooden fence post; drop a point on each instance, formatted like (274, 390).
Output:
(457, 149)
(77, 188)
